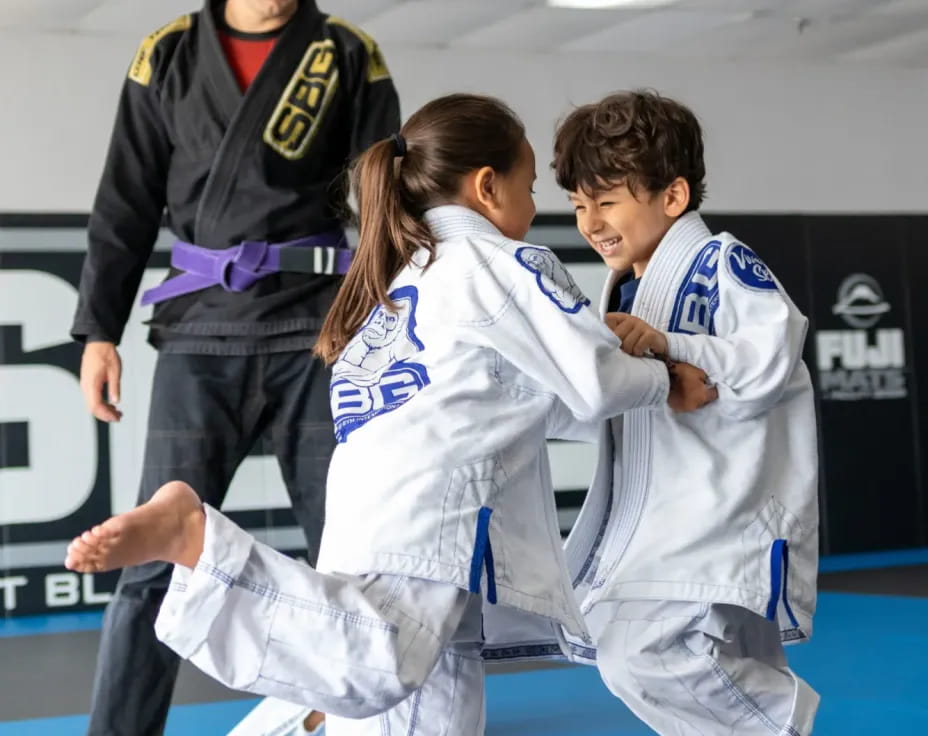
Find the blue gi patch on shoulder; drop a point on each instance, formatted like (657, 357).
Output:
(373, 375)
(698, 296)
(552, 278)
(749, 270)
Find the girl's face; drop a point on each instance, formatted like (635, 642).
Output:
(517, 205)
(504, 199)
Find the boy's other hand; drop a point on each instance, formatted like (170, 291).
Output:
(637, 336)
(689, 388)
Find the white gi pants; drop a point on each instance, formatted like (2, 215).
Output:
(698, 668)
(402, 654)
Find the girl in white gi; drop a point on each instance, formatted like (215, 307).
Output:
(456, 348)
(696, 550)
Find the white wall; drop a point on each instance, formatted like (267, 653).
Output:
(779, 137)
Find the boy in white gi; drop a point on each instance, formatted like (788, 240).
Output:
(696, 550)
(456, 348)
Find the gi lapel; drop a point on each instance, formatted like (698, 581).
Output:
(215, 67)
(653, 304)
(250, 115)
(611, 280)
(671, 261)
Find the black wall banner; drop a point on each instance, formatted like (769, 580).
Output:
(864, 336)
(860, 279)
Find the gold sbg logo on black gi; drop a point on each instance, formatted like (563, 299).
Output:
(296, 118)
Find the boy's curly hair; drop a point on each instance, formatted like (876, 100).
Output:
(638, 138)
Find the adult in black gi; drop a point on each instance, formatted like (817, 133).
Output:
(252, 184)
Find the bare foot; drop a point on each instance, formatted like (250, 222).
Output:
(168, 528)
(313, 721)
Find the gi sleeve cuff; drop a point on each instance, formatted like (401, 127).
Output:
(662, 383)
(678, 347)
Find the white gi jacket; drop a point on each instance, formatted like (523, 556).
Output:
(441, 410)
(720, 505)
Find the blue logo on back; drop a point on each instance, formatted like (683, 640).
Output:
(373, 376)
(748, 269)
(552, 278)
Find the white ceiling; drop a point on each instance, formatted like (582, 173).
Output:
(892, 32)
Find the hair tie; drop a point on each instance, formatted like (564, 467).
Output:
(399, 144)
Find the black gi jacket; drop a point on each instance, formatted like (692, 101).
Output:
(266, 165)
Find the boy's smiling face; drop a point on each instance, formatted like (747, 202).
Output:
(625, 228)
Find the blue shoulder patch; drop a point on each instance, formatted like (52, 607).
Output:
(552, 278)
(748, 269)
(697, 298)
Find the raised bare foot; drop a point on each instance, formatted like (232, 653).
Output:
(168, 528)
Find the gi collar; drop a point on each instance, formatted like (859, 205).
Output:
(667, 269)
(688, 229)
(452, 220)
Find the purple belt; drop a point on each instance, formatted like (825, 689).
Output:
(239, 267)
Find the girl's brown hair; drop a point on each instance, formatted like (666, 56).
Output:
(445, 140)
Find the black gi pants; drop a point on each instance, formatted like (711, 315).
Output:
(207, 411)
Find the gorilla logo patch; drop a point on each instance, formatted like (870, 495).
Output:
(552, 278)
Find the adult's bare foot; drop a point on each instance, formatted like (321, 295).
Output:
(168, 528)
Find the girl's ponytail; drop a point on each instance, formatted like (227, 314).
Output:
(389, 236)
(396, 180)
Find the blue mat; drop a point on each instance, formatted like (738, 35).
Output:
(57, 623)
(868, 659)
(206, 719)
